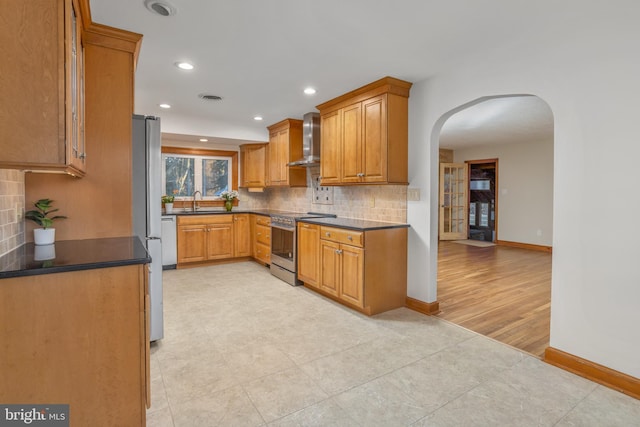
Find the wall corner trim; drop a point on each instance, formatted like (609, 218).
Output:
(428, 308)
(598, 373)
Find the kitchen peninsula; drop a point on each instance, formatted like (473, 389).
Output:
(74, 328)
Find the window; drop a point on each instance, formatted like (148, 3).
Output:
(185, 173)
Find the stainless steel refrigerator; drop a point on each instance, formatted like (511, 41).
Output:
(147, 207)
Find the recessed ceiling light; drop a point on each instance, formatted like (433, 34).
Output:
(258, 118)
(184, 65)
(165, 106)
(309, 91)
(204, 140)
(160, 7)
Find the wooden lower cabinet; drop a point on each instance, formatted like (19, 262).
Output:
(261, 232)
(78, 338)
(365, 270)
(192, 242)
(203, 238)
(241, 235)
(309, 254)
(220, 238)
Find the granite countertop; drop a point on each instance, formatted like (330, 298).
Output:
(354, 224)
(73, 255)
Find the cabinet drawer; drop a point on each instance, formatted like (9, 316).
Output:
(205, 219)
(263, 220)
(263, 234)
(341, 235)
(262, 253)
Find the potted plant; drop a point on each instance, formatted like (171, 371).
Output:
(45, 235)
(168, 203)
(229, 197)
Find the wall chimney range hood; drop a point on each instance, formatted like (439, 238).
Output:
(310, 141)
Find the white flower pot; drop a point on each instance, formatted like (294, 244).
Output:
(168, 207)
(44, 252)
(44, 236)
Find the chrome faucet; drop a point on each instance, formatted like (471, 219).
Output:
(194, 199)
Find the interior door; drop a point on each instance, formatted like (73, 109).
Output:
(453, 201)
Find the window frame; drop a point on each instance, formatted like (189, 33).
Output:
(199, 154)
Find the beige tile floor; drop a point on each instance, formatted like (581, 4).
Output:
(243, 348)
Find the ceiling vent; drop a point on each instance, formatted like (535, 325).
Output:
(160, 7)
(208, 97)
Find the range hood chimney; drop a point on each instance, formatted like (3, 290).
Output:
(310, 141)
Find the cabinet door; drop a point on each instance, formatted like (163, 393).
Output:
(253, 160)
(352, 280)
(275, 171)
(309, 254)
(220, 241)
(33, 83)
(283, 156)
(330, 267)
(352, 144)
(330, 148)
(374, 135)
(242, 235)
(192, 243)
(75, 90)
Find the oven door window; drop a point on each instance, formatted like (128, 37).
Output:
(282, 243)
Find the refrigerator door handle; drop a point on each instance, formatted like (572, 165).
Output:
(152, 238)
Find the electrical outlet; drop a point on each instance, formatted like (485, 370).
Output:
(322, 195)
(372, 202)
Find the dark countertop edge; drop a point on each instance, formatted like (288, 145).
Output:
(239, 211)
(138, 256)
(68, 268)
(353, 224)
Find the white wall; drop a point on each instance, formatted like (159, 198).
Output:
(588, 71)
(525, 188)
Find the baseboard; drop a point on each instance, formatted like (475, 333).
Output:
(428, 308)
(601, 374)
(529, 246)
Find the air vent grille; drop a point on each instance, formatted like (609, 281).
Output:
(208, 97)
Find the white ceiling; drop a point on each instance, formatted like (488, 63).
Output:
(495, 121)
(259, 55)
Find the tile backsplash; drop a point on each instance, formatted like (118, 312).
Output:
(371, 202)
(12, 207)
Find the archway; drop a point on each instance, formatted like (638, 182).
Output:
(503, 292)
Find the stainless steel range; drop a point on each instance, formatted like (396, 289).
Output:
(284, 245)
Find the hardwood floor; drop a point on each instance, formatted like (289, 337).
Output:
(501, 292)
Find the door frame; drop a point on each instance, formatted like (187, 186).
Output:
(479, 162)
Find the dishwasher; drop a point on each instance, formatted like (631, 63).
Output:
(169, 242)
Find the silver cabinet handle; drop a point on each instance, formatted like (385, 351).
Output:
(328, 234)
(339, 251)
(349, 238)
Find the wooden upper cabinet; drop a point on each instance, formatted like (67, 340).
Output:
(285, 145)
(42, 113)
(253, 162)
(330, 147)
(364, 134)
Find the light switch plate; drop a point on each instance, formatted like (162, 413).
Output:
(413, 194)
